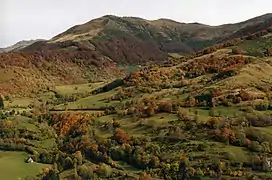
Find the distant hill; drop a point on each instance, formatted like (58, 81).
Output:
(165, 32)
(19, 45)
(252, 26)
(133, 40)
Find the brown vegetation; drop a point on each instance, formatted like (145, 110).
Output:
(24, 72)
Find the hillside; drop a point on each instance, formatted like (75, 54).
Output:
(196, 117)
(27, 73)
(253, 26)
(172, 36)
(19, 45)
(131, 40)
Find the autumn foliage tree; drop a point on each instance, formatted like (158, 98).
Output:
(214, 64)
(269, 52)
(145, 176)
(191, 101)
(121, 136)
(150, 111)
(236, 51)
(183, 114)
(213, 122)
(68, 123)
(165, 107)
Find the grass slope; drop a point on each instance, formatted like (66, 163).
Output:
(13, 166)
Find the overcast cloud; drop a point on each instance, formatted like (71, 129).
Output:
(33, 19)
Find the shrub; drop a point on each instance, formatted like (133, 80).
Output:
(236, 51)
(213, 123)
(260, 120)
(150, 111)
(255, 146)
(165, 107)
(183, 114)
(176, 134)
(121, 136)
(104, 170)
(269, 52)
(85, 172)
(145, 176)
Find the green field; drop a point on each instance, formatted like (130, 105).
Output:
(219, 111)
(77, 88)
(13, 166)
(19, 102)
(23, 122)
(238, 154)
(128, 68)
(256, 47)
(94, 101)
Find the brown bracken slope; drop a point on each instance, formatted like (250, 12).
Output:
(25, 73)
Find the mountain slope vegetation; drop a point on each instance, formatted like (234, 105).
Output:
(203, 116)
(26, 73)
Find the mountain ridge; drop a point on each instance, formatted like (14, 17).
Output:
(170, 35)
(99, 45)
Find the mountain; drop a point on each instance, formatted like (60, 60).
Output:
(94, 50)
(132, 40)
(252, 26)
(162, 31)
(19, 45)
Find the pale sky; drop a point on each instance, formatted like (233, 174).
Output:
(35, 19)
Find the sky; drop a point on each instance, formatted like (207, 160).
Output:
(43, 19)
